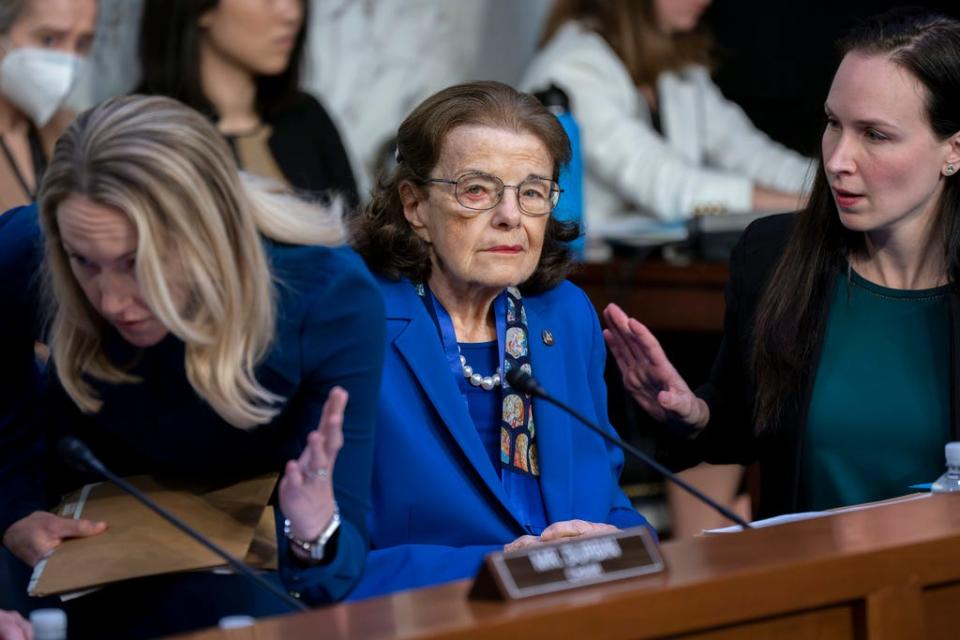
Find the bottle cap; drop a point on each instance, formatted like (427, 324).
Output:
(236, 622)
(49, 624)
(953, 454)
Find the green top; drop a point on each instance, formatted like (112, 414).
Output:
(880, 410)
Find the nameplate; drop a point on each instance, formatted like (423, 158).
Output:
(567, 564)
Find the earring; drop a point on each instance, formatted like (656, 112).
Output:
(949, 170)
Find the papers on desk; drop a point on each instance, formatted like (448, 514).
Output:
(809, 515)
(139, 543)
(637, 230)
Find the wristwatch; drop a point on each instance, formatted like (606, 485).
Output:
(312, 550)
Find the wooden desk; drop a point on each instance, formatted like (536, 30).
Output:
(892, 571)
(665, 297)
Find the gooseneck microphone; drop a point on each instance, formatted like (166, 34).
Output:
(523, 381)
(80, 457)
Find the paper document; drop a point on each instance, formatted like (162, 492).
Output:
(809, 515)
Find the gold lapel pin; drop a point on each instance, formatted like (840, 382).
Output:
(547, 337)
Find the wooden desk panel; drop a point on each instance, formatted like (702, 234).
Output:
(892, 571)
(665, 297)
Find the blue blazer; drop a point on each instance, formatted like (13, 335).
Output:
(438, 503)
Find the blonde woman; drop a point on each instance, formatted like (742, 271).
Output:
(658, 137)
(204, 327)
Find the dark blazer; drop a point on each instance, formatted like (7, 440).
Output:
(730, 438)
(438, 502)
(309, 150)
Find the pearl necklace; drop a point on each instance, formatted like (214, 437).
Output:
(486, 383)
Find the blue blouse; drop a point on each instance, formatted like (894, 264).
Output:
(486, 408)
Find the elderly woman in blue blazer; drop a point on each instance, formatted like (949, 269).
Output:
(472, 265)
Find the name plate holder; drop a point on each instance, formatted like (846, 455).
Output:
(567, 564)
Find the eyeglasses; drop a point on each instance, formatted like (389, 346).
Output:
(482, 191)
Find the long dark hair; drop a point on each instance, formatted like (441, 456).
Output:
(791, 311)
(381, 233)
(170, 57)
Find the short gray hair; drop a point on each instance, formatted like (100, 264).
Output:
(10, 10)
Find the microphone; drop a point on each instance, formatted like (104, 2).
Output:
(80, 457)
(523, 381)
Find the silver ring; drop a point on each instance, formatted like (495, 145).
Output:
(317, 474)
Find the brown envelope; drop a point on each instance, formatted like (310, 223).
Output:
(140, 543)
(263, 550)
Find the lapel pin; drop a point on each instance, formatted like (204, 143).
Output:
(547, 337)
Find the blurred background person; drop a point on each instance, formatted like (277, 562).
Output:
(239, 62)
(658, 137)
(198, 332)
(838, 368)
(42, 47)
(473, 267)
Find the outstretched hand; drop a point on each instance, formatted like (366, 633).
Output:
(647, 373)
(306, 490)
(33, 537)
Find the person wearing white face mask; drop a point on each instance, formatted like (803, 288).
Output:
(43, 45)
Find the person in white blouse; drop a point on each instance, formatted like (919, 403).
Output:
(657, 135)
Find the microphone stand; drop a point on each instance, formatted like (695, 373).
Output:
(79, 455)
(526, 383)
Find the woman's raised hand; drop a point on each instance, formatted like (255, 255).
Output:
(647, 373)
(306, 490)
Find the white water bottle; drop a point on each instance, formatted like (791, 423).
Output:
(950, 481)
(49, 624)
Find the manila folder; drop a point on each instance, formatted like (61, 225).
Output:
(139, 543)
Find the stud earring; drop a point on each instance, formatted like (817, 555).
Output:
(949, 170)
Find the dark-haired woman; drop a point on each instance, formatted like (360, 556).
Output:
(838, 370)
(472, 265)
(239, 63)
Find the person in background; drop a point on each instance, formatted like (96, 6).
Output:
(198, 332)
(657, 136)
(238, 62)
(42, 47)
(840, 358)
(472, 268)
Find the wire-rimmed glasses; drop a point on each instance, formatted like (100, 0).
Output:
(480, 192)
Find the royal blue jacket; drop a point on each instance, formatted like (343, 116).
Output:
(438, 503)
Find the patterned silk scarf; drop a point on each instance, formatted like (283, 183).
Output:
(518, 444)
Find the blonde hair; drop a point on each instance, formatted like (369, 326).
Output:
(170, 171)
(630, 28)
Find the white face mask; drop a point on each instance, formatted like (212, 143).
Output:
(38, 81)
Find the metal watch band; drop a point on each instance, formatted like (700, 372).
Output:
(312, 550)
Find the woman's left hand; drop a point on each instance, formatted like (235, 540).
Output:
(559, 530)
(306, 490)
